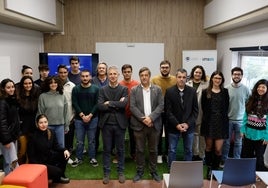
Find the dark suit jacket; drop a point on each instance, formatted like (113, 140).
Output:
(137, 107)
(176, 113)
(115, 105)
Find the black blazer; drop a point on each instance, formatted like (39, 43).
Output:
(115, 105)
(177, 113)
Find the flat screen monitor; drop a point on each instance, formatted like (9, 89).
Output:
(88, 61)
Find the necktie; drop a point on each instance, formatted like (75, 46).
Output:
(181, 94)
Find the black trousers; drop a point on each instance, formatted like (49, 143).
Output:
(56, 166)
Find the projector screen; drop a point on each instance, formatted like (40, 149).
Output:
(88, 61)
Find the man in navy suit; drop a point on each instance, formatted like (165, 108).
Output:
(146, 106)
(181, 108)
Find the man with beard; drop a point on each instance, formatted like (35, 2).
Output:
(238, 94)
(164, 81)
(85, 100)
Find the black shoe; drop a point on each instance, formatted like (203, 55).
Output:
(197, 158)
(63, 180)
(137, 177)
(209, 171)
(155, 176)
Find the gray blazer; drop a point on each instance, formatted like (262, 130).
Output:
(137, 107)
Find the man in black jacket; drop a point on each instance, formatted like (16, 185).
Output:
(181, 109)
(113, 122)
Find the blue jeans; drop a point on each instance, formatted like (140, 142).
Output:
(110, 133)
(173, 140)
(82, 129)
(234, 127)
(10, 156)
(59, 131)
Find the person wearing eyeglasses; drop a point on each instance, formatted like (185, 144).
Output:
(215, 122)
(239, 94)
(164, 80)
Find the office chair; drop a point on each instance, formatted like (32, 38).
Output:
(236, 172)
(184, 174)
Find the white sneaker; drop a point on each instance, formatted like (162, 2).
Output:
(84, 151)
(70, 161)
(76, 162)
(159, 159)
(94, 162)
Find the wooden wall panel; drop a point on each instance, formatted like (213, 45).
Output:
(176, 23)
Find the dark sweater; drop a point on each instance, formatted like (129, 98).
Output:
(41, 150)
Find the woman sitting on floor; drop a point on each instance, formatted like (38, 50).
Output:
(44, 149)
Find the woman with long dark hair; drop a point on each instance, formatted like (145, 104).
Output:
(9, 125)
(198, 80)
(54, 105)
(27, 96)
(254, 129)
(215, 123)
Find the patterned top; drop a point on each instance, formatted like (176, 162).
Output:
(255, 128)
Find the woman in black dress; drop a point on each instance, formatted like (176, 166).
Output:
(214, 127)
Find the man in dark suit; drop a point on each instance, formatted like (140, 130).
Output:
(113, 122)
(181, 108)
(146, 105)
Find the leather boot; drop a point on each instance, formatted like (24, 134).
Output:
(208, 160)
(216, 162)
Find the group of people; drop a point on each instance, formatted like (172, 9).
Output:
(38, 119)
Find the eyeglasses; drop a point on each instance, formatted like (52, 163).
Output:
(237, 74)
(217, 78)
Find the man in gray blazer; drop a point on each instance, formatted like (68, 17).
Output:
(146, 105)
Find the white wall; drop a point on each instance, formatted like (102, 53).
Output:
(137, 54)
(22, 46)
(253, 35)
(39, 9)
(220, 11)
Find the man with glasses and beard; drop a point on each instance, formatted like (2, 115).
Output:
(239, 95)
(164, 80)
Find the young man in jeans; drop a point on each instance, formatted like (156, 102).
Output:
(239, 95)
(84, 100)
